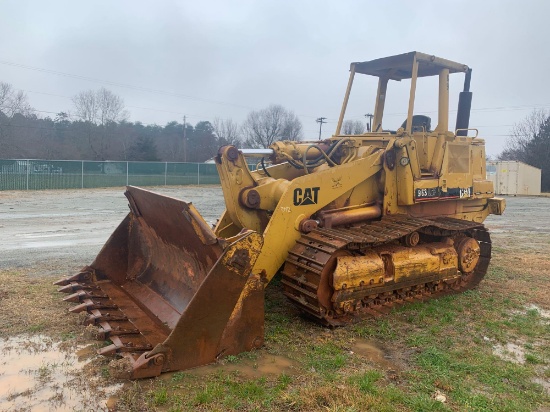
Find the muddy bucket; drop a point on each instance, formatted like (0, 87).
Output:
(167, 292)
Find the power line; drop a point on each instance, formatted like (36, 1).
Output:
(128, 86)
(197, 116)
(481, 109)
(73, 116)
(181, 95)
(152, 124)
(318, 120)
(117, 84)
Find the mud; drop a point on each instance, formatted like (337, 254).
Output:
(372, 351)
(37, 374)
(264, 364)
(516, 352)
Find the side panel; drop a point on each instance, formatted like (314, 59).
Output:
(305, 196)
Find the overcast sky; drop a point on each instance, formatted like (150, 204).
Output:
(210, 59)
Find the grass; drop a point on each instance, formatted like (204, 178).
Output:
(325, 359)
(160, 396)
(31, 304)
(443, 346)
(366, 381)
(443, 351)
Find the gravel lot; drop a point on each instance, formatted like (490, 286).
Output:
(68, 227)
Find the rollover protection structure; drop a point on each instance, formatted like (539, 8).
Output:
(355, 223)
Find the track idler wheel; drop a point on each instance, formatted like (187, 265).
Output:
(469, 251)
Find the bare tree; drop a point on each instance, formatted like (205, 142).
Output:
(14, 107)
(263, 127)
(227, 132)
(12, 102)
(86, 106)
(529, 143)
(517, 145)
(100, 107)
(351, 127)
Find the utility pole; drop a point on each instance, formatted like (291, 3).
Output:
(370, 116)
(321, 121)
(184, 140)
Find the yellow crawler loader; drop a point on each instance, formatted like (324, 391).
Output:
(355, 223)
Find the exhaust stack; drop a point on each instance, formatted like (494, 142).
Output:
(464, 107)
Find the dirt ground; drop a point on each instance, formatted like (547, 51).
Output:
(48, 363)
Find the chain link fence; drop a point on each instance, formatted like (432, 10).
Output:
(76, 174)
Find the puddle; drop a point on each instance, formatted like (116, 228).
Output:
(37, 375)
(372, 351)
(516, 352)
(265, 364)
(510, 352)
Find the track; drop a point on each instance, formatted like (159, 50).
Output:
(307, 274)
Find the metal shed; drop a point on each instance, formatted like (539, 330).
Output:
(514, 178)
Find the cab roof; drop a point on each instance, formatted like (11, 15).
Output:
(399, 67)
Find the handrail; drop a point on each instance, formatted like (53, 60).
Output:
(466, 130)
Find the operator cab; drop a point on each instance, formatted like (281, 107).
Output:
(412, 66)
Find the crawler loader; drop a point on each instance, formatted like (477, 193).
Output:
(354, 223)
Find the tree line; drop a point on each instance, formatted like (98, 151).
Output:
(529, 143)
(97, 128)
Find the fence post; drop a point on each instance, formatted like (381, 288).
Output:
(198, 174)
(82, 176)
(165, 172)
(126, 173)
(28, 171)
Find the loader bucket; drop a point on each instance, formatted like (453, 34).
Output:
(167, 293)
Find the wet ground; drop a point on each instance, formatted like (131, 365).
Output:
(70, 226)
(39, 374)
(56, 232)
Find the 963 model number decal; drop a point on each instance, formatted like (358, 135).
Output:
(434, 193)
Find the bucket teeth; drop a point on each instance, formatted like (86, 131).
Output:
(73, 287)
(84, 276)
(89, 304)
(81, 295)
(118, 347)
(106, 331)
(95, 317)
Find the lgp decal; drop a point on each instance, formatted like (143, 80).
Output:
(306, 196)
